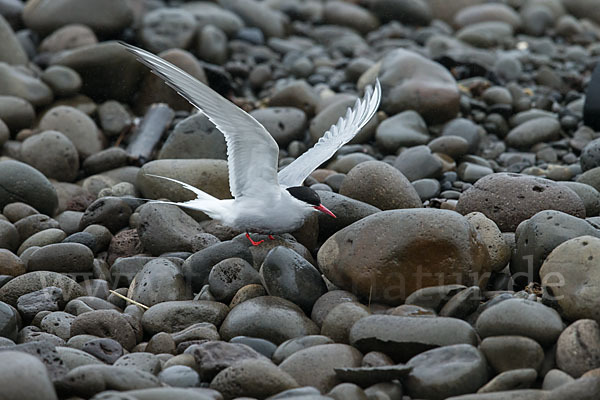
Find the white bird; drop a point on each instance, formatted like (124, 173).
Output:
(264, 201)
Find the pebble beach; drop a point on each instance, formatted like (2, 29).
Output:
(464, 262)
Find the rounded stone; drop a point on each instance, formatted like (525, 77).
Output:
(510, 380)
(58, 323)
(105, 323)
(10, 264)
(340, 319)
(24, 376)
(417, 83)
(270, 318)
(538, 130)
(173, 316)
(9, 236)
(142, 361)
(418, 163)
(161, 343)
(500, 352)
(165, 28)
(32, 281)
(523, 318)
(351, 15)
(179, 376)
(21, 83)
(62, 80)
(291, 346)
(16, 113)
(381, 185)
(288, 275)
(73, 358)
(538, 236)
(168, 228)
(498, 249)
(87, 380)
(108, 18)
(21, 182)
(283, 123)
(453, 146)
(578, 348)
(53, 154)
(588, 194)
(63, 258)
(404, 337)
(210, 176)
(212, 45)
(252, 378)
(9, 322)
(41, 239)
(111, 212)
(508, 199)
(466, 129)
(328, 302)
(346, 210)
(405, 129)
(445, 372)
(229, 276)
(75, 125)
(314, 366)
(18, 210)
(570, 277)
(194, 138)
(159, 280)
(416, 248)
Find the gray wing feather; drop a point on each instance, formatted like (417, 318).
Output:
(252, 152)
(338, 135)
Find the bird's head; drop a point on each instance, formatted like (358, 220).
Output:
(310, 198)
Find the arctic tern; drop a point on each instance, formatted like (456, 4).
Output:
(264, 201)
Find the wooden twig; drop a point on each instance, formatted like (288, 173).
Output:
(128, 299)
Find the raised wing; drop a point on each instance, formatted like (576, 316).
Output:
(337, 136)
(251, 151)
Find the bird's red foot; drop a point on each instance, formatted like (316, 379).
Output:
(252, 241)
(271, 237)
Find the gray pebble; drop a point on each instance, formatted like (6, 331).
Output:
(279, 320)
(230, 275)
(159, 280)
(105, 349)
(179, 376)
(521, 317)
(500, 352)
(288, 275)
(447, 371)
(146, 362)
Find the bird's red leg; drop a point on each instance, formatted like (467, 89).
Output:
(271, 237)
(252, 241)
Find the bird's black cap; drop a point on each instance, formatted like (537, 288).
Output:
(305, 194)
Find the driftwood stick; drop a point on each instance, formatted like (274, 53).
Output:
(148, 133)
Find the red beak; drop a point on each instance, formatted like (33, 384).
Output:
(324, 209)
